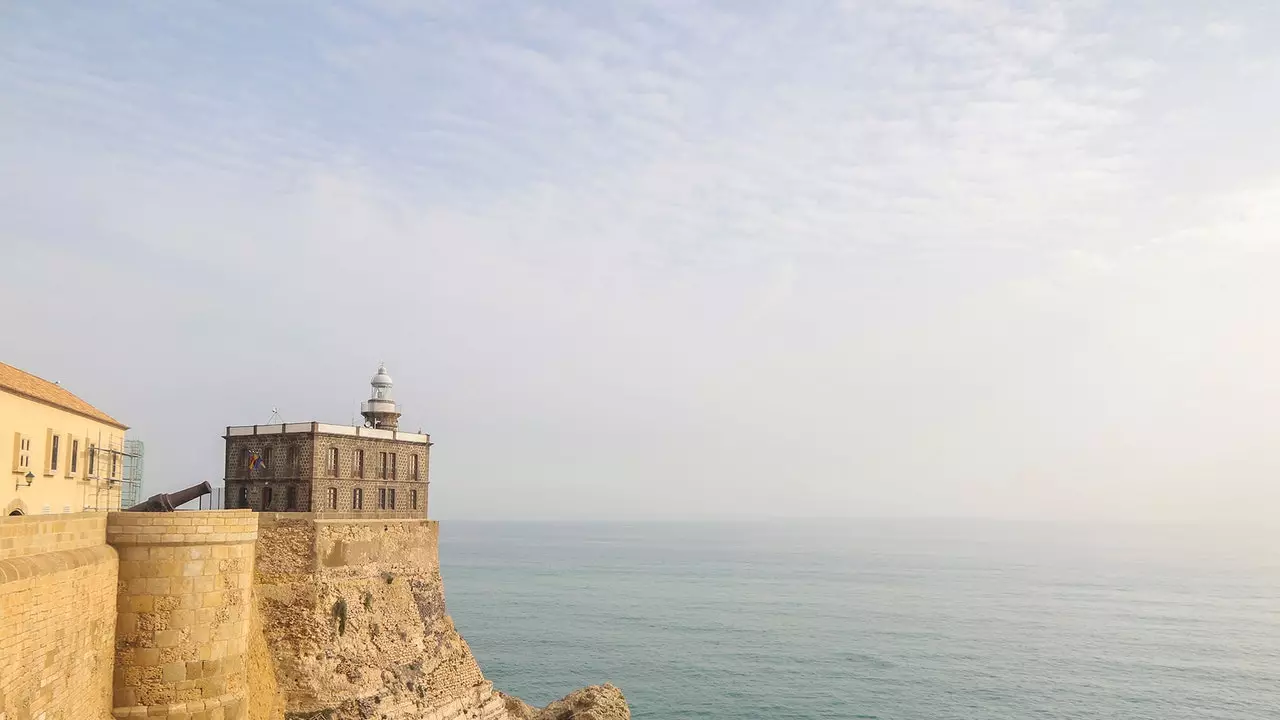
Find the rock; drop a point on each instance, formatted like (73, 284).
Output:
(598, 702)
(517, 708)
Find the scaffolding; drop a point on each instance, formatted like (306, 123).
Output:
(131, 482)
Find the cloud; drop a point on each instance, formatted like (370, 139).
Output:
(616, 247)
(1223, 30)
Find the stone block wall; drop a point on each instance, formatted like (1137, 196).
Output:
(311, 478)
(57, 617)
(230, 615)
(348, 477)
(183, 613)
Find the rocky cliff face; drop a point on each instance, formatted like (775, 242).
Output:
(354, 627)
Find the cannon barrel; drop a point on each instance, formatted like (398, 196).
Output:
(167, 502)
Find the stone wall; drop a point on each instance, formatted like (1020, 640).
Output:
(348, 477)
(353, 612)
(57, 617)
(184, 613)
(311, 477)
(231, 615)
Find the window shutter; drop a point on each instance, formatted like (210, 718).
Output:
(48, 451)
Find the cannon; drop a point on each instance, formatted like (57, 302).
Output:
(168, 502)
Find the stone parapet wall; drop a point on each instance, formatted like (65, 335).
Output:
(35, 534)
(231, 615)
(57, 617)
(184, 611)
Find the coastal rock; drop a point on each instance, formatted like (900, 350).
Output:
(598, 702)
(354, 627)
(516, 708)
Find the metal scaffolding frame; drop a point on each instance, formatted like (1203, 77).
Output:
(131, 480)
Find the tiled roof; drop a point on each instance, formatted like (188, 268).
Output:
(21, 383)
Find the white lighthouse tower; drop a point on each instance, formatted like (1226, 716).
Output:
(380, 411)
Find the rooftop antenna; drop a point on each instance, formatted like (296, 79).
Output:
(275, 417)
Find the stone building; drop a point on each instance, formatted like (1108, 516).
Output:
(325, 468)
(64, 454)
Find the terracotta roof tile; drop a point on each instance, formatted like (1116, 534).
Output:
(22, 383)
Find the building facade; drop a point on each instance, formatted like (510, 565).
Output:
(64, 455)
(320, 467)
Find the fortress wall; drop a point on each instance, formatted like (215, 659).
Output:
(57, 617)
(353, 613)
(184, 613)
(230, 615)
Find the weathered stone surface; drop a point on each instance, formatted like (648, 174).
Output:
(516, 708)
(232, 615)
(353, 612)
(598, 702)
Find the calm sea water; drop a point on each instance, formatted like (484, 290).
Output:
(892, 620)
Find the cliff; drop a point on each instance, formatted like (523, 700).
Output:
(353, 618)
(228, 615)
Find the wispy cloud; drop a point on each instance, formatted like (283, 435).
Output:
(854, 228)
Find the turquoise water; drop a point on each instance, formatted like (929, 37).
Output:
(891, 620)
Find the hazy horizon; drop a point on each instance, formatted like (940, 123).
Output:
(920, 258)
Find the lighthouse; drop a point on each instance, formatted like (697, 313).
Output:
(380, 411)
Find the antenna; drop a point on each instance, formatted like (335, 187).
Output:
(275, 417)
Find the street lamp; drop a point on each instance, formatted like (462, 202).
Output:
(18, 483)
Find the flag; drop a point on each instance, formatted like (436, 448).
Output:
(255, 461)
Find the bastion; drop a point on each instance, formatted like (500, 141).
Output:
(239, 615)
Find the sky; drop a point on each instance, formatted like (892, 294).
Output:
(669, 258)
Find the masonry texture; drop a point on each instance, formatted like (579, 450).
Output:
(298, 468)
(183, 613)
(237, 615)
(57, 617)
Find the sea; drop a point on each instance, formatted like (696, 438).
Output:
(887, 619)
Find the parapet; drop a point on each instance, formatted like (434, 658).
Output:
(184, 610)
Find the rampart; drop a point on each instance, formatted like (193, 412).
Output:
(57, 617)
(230, 615)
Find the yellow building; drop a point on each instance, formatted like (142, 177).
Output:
(65, 454)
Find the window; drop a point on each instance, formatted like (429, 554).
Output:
(93, 460)
(382, 498)
(266, 498)
(75, 456)
(292, 457)
(357, 469)
(21, 452)
(291, 498)
(357, 499)
(115, 463)
(383, 474)
(244, 497)
(53, 453)
(391, 498)
(333, 462)
(393, 466)
(413, 499)
(333, 498)
(413, 466)
(266, 458)
(244, 461)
